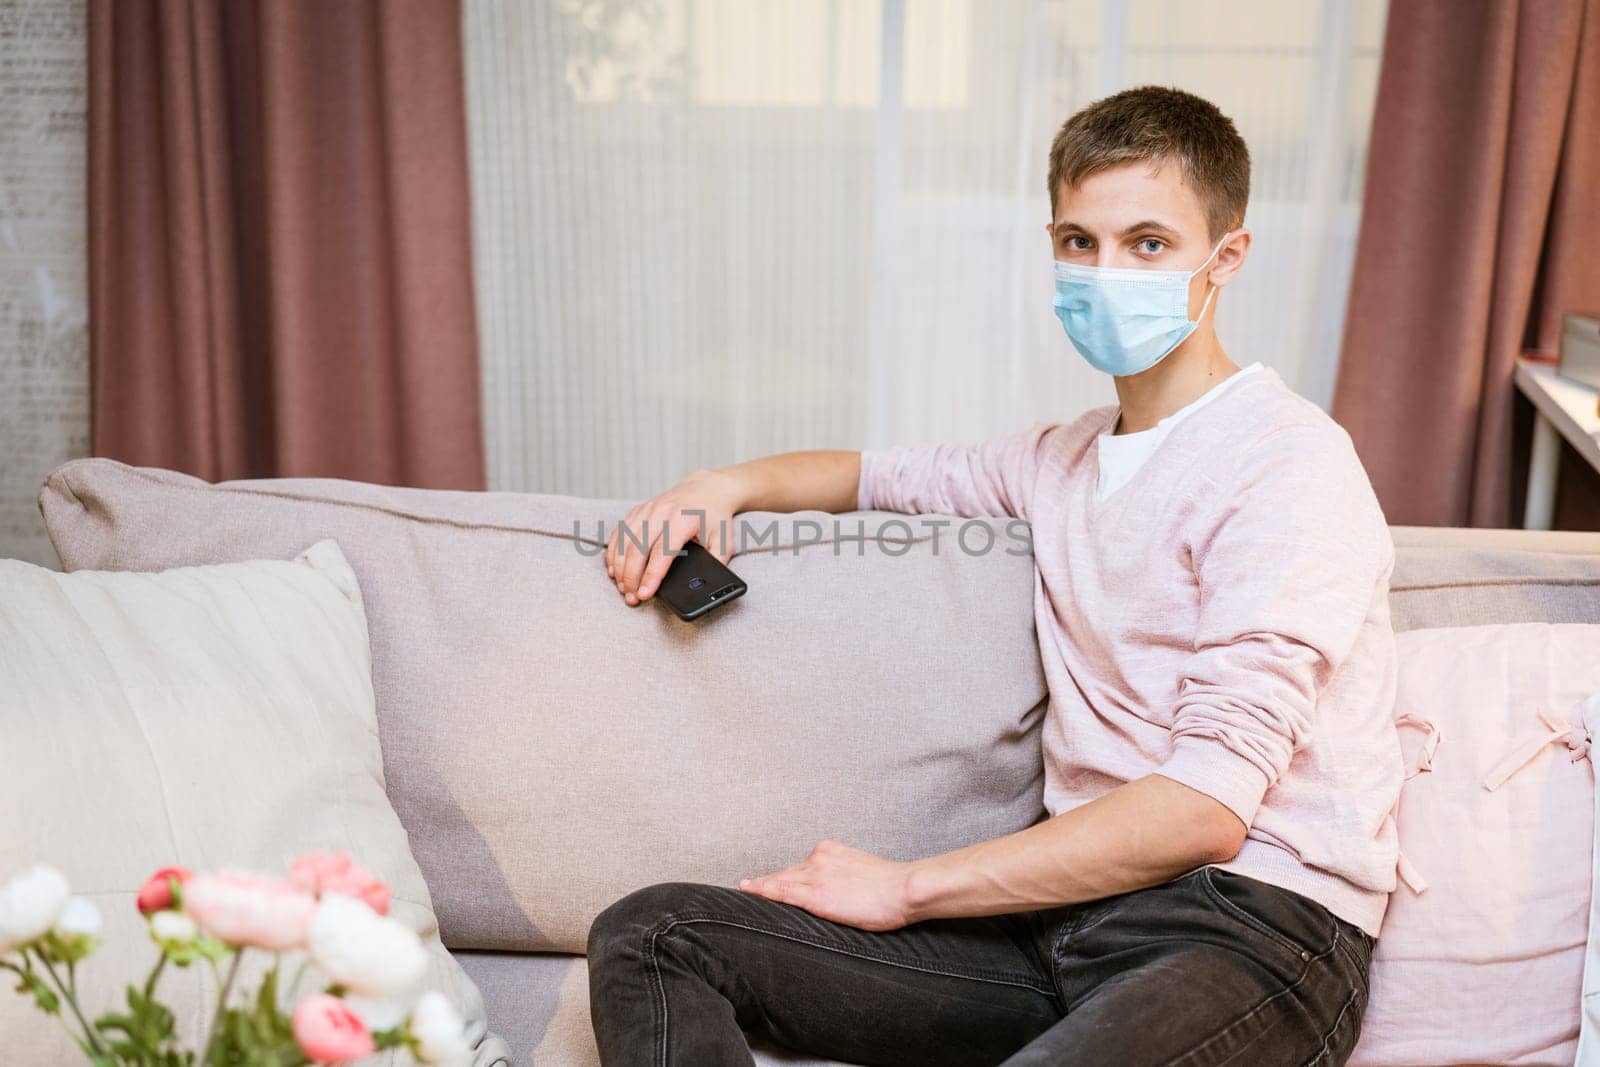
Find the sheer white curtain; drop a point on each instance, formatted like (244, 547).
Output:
(712, 229)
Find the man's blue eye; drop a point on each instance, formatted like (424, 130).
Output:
(1151, 246)
(1079, 242)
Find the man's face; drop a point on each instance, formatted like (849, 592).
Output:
(1142, 216)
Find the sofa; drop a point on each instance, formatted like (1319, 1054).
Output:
(548, 748)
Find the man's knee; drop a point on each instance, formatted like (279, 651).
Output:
(628, 919)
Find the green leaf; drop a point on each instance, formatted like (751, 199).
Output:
(69, 948)
(396, 1037)
(209, 947)
(43, 995)
(43, 948)
(267, 997)
(112, 1021)
(148, 1030)
(183, 955)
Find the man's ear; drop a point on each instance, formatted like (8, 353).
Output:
(1230, 257)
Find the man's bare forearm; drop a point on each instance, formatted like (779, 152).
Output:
(1140, 834)
(796, 481)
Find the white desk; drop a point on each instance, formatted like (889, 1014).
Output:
(1563, 407)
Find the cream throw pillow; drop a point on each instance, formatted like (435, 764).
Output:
(205, 716)
(1496, 822)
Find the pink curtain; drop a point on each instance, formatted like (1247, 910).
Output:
(1479, 229)
(280, 268)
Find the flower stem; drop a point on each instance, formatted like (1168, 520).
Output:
(155, 975)
(90, 1033)
(222, 1002)
(299, 974)
(62, 1019)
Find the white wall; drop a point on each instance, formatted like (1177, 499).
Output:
(44, 340)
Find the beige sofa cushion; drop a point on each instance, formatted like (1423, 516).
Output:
(207, 717)
(550, 749)
(539, 1002)
(1461, 577)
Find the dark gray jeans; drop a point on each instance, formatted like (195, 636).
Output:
(1211, 968)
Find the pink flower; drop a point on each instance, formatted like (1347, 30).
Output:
(156, 893)
(335, 872)
(241, 908)
(329, 1032)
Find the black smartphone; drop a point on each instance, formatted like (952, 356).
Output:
(697, 582)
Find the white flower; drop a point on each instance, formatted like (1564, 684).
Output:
(440, 1033)
(172, 928)
(30, 904)
(79, 917)
(370, 955)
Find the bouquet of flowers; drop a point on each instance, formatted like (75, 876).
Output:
(328, 912)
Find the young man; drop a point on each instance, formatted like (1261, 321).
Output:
(1220, 757)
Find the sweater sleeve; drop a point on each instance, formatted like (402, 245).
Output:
(993, 478)
(1289, 560)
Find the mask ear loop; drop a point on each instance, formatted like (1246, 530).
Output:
(1211, 290)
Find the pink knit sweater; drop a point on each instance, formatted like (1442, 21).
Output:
(1222, 619)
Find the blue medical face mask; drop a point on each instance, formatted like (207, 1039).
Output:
(1122, 320)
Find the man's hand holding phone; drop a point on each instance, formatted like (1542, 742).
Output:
(699, 508)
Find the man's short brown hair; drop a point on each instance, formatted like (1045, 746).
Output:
(1153, 124)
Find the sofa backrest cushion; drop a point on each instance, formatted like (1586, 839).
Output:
(550, 749)
(1445, 576)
